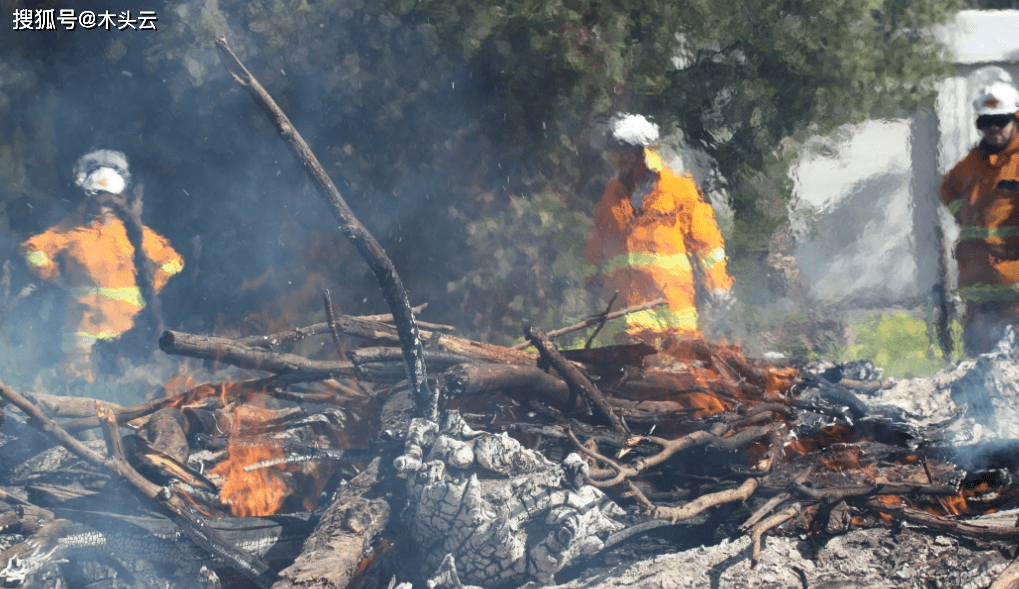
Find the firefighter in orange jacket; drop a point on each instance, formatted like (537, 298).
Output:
(93, 259)
(655, 235)
(982, 193)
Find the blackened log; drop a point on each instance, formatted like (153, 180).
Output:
(523, 382)
(386, 364)
(344, 535)
(574, 378)
(380, 264)
(228, 351)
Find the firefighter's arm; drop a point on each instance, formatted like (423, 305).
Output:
(704, 240)
(950, 195)
(40, 253)
(166, 260)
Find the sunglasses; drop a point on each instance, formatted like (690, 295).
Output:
(999, 121)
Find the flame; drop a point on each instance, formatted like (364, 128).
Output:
(256, 492)
(251, 493)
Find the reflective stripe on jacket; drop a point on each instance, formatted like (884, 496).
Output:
(982, 193)
(655, 249)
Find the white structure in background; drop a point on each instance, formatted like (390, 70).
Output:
(873, 204)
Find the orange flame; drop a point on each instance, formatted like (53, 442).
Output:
(251, 493)
(256, 492)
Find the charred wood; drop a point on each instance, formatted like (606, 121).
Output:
(578, 383)
(345, 533)
(380, 264)
(228, 351)
(192, 524)
(523, 382)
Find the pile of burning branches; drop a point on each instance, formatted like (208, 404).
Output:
(538, 461)
(505, 466)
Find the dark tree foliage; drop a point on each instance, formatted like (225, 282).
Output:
(444, 123)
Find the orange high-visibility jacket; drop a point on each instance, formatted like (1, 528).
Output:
(982, 193)
(95, 262)
(652, 252)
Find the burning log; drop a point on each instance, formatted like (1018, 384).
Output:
(196, 528)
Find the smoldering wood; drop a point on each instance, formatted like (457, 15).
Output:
(759, 424)
(945, 524)
(191, 524)
(166, 430)
(523, 382)
(380, 264)
(577, 382)
(836, 494)
(384, 365)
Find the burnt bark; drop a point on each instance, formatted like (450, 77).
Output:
(332, 554)
(578, 382)
(228, 351)
(380, 264)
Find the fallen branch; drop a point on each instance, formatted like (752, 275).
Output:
(596, 320)
(380, 264)
(228, 351)
(574, 378)
(772, 522)
(704, 502)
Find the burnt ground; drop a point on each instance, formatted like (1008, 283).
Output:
(903, 557)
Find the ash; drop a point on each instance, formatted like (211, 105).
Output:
(485, 510)
(980, 396)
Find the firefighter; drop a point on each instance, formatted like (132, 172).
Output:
(655, 235)
(982, 193)
(92, 258)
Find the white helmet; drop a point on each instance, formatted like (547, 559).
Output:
(635, 130)
(102, 170)
(999, 98)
